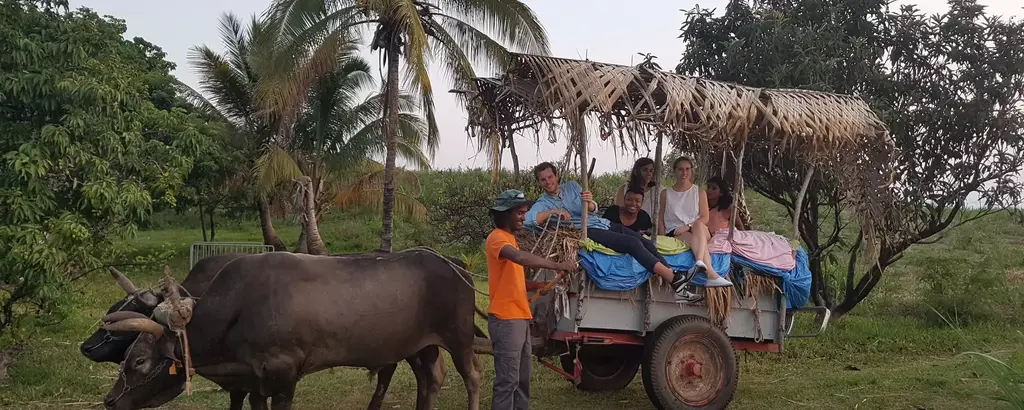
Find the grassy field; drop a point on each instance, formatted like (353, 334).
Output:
(892, 352)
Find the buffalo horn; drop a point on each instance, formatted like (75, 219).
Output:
(123, 281)
(122, 315)
(136, 325)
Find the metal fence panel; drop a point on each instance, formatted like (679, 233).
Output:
(202, 250)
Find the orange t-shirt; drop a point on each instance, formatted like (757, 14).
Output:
(506, 280)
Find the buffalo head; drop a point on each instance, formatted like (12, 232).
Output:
(110, 346)
(152, 373)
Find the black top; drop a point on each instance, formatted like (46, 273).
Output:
(642, 224)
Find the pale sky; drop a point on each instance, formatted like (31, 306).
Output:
(601, 30)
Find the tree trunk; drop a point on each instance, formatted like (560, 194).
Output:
(390, 133)
(313, 240)
(886, 257)
(202, 221)
(213, 227)
(515, 156)
(302, 245)
(267, 225)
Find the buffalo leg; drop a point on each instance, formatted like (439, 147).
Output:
(257, 402)
(467, 366)
(384, 375)
(428, 367)
(237, 399)
(283, 400)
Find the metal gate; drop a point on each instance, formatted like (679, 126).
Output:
(202, 250)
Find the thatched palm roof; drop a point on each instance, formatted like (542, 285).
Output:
(837, 134)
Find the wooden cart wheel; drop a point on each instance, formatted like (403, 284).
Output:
(605, 368)
(690, 364)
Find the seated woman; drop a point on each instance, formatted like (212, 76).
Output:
(719, 205)
(630, 213)
(642, 177)
(684, 215)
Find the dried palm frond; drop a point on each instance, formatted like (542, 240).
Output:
(561, 244)
(719, 303)
(837, 134)
(755, 285)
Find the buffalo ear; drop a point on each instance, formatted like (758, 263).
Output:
(148, 298)
(169, 348)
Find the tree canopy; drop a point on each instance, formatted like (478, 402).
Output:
(87, 152)
(458, 33)
(949, 86)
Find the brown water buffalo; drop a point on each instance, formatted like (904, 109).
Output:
(111, 346)
(270, 319)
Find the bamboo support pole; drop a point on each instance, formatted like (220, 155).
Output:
(654, 235)
(658, 160)
(738, 188)
(579, 130)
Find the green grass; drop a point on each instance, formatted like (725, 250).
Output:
(890, 353)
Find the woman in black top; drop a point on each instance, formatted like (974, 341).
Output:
(629, 214)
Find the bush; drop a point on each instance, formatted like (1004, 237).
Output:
(967, 292)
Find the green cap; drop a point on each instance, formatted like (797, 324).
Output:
(511, 198)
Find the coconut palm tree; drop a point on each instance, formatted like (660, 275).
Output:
(332, 143)
(227, 83)
(323, 132)
(415, 31)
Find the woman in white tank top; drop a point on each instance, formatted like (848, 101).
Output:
(683, 214)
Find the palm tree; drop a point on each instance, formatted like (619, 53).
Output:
(415, 30)
(230, 82)
(333, 140)
(322, 133)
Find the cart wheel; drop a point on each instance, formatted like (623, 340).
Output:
(605, 368)
(690, 364)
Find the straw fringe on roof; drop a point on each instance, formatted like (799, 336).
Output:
(837, 134)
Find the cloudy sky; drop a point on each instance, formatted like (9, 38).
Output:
(601, 30)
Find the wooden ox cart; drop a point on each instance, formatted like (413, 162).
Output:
(685, 353)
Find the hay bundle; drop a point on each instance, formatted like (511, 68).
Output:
(560, 244)
(756, 284)
(719, 303)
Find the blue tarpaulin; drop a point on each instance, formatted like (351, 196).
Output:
(796, 283)
(623, 272)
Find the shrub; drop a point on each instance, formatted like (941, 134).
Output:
(967, 292)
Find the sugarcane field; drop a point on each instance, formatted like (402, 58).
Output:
(511, 205)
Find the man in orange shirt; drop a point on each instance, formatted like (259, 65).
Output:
(508, 317)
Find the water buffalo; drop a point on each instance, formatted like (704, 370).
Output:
(111, 346)
(107, 346)
(270, 319)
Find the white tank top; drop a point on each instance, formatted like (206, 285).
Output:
(649, 197)
(681, 208)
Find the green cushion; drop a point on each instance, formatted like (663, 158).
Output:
(667, 245)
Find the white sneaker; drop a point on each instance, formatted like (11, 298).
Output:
(717, 283)
(699, 266)
(688, 294)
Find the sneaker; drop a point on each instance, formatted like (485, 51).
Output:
(680, 279)
(718, 282)
(699, 266)
(688, 294)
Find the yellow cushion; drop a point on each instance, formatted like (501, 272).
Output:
(666, 245)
